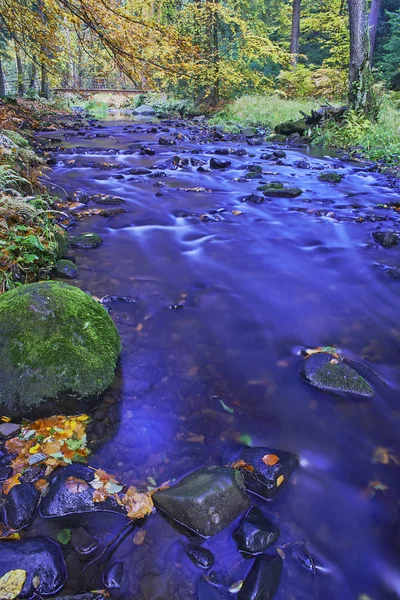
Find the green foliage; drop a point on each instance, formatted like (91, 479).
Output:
(296, 82)
(390, 61)
(32, 94)
(266, 111)
(375, 141)
(166, 107)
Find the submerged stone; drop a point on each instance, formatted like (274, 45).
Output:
(21, 504)
(205, 501)
(114, 575)
(255, 532)
(107, 199)
(84, 543)
(270, 469)
(65, 269)
(263, 579)
(219, 163)
(201, 557)
(41, 558)
(386, 238)
(254, 198)
(327, 373)
(70, 493)
(331, 177)
(58, 349)
(85, 241)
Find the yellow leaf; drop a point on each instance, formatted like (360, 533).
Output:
(34, 449)
(11, 584)
(6, 419)
(280, 480)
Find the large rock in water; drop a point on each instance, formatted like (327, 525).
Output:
(255, 532)
(42, 560)
(325, 372)
(58, 349)
(205, 501)
(263, 579)
(269, 471)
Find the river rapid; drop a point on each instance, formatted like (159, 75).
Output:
(215, 299)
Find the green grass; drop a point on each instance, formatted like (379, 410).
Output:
(266, 111)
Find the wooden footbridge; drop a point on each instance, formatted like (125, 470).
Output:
(101, 86)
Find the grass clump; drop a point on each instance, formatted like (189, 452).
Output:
(265, 111)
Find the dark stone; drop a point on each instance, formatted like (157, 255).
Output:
(279, 153)
(163, 141)
(266, 480)
(273, 185)
(255, 532)
(263, 579)
(86, 240)
(205, 501)
(274, 192)
(114, 413)
(325, 372)
(21, 504)
(254, 198)
(290, 127)
(393, 272)
(146, 150)
(200, 423)
(303, 164)
(266, 155)
(9, 430)
(219, 163)
(139, 171)
(84, 543)
(113, 576)
(41, 558)
(60, 501)
(201, 557)
(331, 177)
(6, 472)
(253, 175)
(99, 430)
(65, 269)
(111, 212)
(386, 238)
(107, 199)
(157, 174)
(222, 151)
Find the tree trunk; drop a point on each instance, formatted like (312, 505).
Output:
(32, 82)
(360, 80)
(213, 97)
(373, 25)
(2, 81)
(295, 37)
(44, 88)
(20, 73)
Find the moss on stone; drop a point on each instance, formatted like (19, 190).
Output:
(86, 240)
(280, 192)
(331, 177)
(57, 347)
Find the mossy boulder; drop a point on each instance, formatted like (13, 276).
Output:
(86, 240)
(331, 177)
(61, 238)
(58, 350)
(65, 269)
(280, 192)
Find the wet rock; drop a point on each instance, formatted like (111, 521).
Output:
(255, 532)
(107, 199)
(219, 163)
(65, 496)
(201, 557)
(222, 151)
(267, 155)
(80, 196)
(9, 430)
(46, 329)
(290, 127)
(164, 141)
(85, 240)
(111, 212)
(393, 272)
(273, 185)
(274, 192)
(205, 501)
(265, 479)
(386, 238)
(253, 175)
(279, 153)
(147, 151)
(331, 177)
(21, 504)
(139, 171)
(327, 373)
(254, 198)
(113, 576)
(65, 269)
(42, 560)
(84, 543)
(5, 473)
(157, 174)
(144, 111)
(263, 579)
(303, 164)
(207, 218)
(249, 132)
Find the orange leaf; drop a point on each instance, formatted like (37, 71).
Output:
(100, 495)
(270, 459)
(75, 485)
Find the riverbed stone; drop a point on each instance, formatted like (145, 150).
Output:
(262, 582)
(145, 110)
(290, 127)
(255, 532)
(331, 177)
(66, 496)
(58, 350)
(65, 269)
(281, 192)
(9, 430)
(41, 558)
(84, 543)
(21, 504)
(114, 575)
(201, 557)
(219, 163)
(205, 501)
(386, 238)
(107, 199)
(264, 478)
(325, 372)
(253, 198)
(85, 240)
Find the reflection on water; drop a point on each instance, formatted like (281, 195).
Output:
(211, 335)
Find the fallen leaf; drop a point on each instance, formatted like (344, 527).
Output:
(100, 495)
(237, 212)
(235, 587)
(137, 504)
(64, 536)
(281, 553)
(6, 419)
(270, 459)
(11, 584)
(36, 581)
(280, 480)
(240, 464)
(139, 537)
(75, 485)
(41, 485)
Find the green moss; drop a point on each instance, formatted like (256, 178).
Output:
(280, 192)
(65, 269)
(56, 344)
(274, 185)
(16, 138)
(331, 177)
(61, 237)
(85, 240)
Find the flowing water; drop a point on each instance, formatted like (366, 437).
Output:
(213, 314)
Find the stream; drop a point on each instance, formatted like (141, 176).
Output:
(215, 299)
